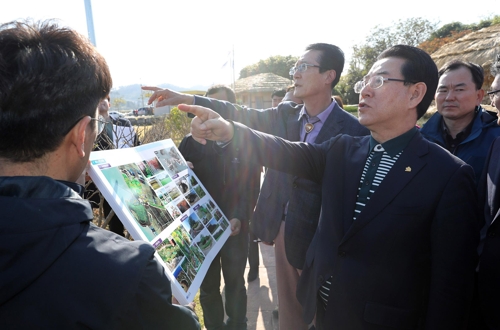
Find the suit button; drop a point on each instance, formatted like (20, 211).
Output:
(342, 253)
(294, 185)
(320, 279)
(492, 234)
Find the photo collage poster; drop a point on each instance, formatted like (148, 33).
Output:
(159, 199)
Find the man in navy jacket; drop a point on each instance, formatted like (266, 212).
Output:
(460, 124)
(489, 249)
(57, 269)
(288, 208)
(396, 241)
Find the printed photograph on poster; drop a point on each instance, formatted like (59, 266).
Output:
(160, 200)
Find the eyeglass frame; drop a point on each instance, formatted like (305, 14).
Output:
(493, 94)
(100, 120)
(302, 67)
(384, 79)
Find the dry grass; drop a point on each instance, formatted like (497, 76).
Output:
(198, 310)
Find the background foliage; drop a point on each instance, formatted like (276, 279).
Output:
(279, 65)
(173, 126)
(416, 31)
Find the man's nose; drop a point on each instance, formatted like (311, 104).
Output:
(450, 95)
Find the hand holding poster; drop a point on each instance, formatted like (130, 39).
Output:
(160, 200)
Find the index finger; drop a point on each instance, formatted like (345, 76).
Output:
(199, 111)
(155, 95)
(150, 88)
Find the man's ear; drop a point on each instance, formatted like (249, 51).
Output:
(78, 134)
(480, 96)
(418, 91)
(330, 77)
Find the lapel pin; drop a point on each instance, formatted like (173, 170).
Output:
(408, 169)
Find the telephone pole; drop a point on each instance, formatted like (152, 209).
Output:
(90, 21)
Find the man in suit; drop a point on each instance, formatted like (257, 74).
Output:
(489, 249)
(396, 241)
(288, 207)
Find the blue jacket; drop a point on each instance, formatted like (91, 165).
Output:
(474, 149)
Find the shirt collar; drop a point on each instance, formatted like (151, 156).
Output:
(396, 145)
(322, 116)
(462, 135)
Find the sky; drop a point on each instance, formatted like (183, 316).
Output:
(187, 42)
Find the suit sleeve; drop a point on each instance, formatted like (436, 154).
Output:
(454, 239)
(264, 120)
(297, 158)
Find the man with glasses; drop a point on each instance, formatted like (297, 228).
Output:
(117, 133)
(460, 124)
(488, 303)
(288, 207)
(494, 94)
(54, 263)
(396, 241)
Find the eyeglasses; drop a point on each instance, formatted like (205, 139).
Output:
(301, 68)
(492, 94)
(374, 82)
(101, 122)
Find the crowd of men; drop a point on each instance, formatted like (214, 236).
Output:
(376, 223)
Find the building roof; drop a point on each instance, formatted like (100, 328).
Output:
(262, 82)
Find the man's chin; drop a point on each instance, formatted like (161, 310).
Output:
(363, 120)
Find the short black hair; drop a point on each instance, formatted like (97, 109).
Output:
(279, 93)
(418, 67)
(495, 67)
(332, 58)
(50, 78)
(231, 97)
(475, 69)
(339, 101)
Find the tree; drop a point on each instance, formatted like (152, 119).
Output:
(432, 45)
(412, 31)
(448, 30)
(279, 65)
(453, 31)
(118, 102)
(173, 126)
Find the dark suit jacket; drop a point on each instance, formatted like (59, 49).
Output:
(408, 260)
(279, 188)
(233, 185)
(489, 262)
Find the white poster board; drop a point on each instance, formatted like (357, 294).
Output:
(160, 200)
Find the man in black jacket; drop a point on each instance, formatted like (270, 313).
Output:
(54, 263)
(234, 187)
